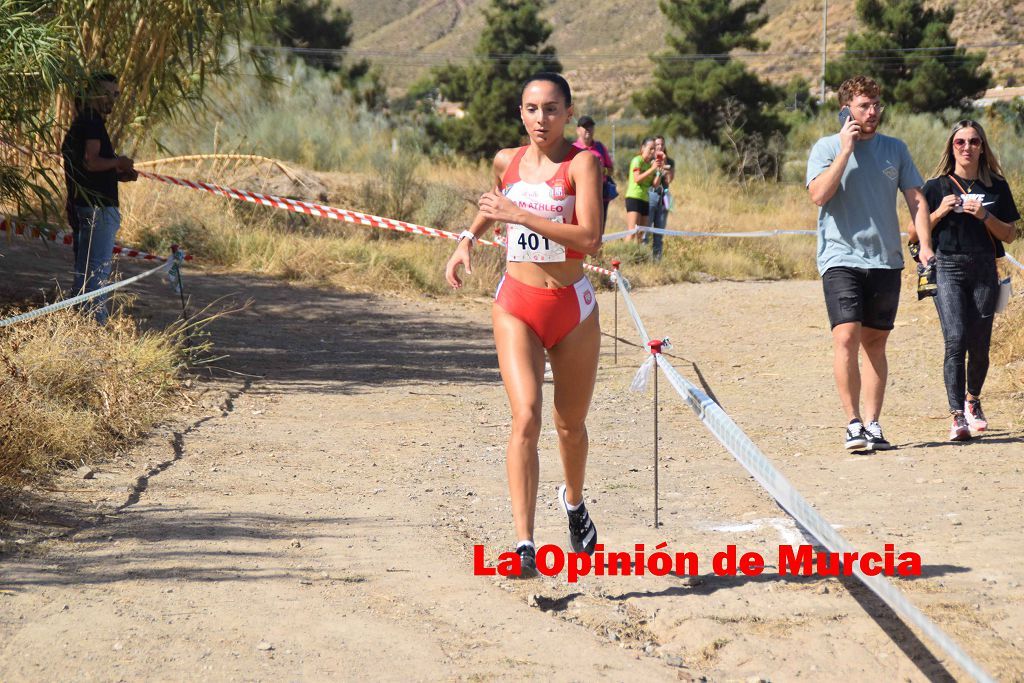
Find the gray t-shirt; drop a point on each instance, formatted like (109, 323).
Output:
(859, 227)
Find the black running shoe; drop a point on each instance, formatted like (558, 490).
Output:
(873, 434)
(527, 561)
(856, 436)
(582, 532)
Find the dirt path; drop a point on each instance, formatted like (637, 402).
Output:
(321, 525)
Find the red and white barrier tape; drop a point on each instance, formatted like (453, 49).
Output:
(27, 230)
(323, 211)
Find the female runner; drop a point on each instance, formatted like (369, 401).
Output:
(549, 196)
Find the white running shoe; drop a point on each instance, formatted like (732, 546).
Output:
(959, 430)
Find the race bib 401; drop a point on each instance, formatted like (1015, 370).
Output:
(526, 245)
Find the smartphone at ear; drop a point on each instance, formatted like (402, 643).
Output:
(844, 116)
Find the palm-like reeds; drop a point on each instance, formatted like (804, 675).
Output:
(33, 66)
(164, 54)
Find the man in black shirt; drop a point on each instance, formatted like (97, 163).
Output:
(92, 171)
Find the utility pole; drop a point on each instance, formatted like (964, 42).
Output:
(824, 44)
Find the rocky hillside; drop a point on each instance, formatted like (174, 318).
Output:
(604, 44)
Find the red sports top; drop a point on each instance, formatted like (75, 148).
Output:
(554, 199)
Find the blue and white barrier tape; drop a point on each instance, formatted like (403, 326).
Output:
(694, 233)
(1014, 261)
(612, 236)
(757, 464)
(66, 303)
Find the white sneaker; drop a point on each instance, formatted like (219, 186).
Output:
(959, 429)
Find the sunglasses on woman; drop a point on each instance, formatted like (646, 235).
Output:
(973, 142)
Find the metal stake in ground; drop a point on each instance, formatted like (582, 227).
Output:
(655, 345)
(177, 256)
(615, 268)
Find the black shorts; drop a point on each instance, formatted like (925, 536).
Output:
(641, 206)
(862, 295)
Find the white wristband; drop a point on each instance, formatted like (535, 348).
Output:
(466, 234)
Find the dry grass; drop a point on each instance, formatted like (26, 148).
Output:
(272, 242)
(71, 391)
(1008, 334)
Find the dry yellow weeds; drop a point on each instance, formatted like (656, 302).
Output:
(71, 391)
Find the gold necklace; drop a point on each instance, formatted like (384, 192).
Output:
(971, 186)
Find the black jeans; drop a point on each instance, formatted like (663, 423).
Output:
(968, 287)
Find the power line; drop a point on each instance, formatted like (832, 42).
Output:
(419, 57)
(885, 59)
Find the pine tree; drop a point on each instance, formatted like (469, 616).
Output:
(699, 90)
(924, 80)
(511, 49)
(320, 31)
(318, 25)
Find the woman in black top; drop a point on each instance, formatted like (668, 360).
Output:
(972, 214)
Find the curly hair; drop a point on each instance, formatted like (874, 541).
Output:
(858, 85)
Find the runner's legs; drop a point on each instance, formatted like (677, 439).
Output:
(574, 367)
(521, 360)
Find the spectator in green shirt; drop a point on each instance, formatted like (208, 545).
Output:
(641, 174)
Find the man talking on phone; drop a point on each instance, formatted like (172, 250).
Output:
(854, 177)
